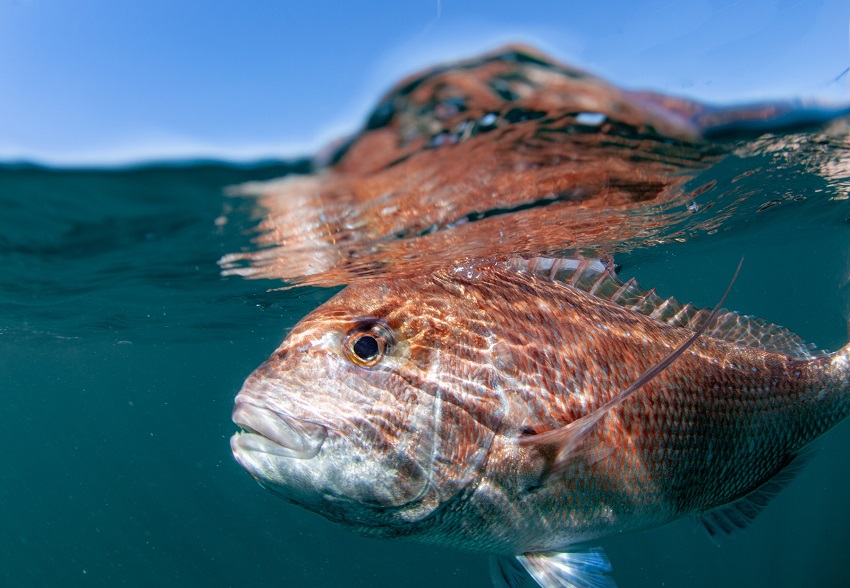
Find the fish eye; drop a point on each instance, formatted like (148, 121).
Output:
(365, 347)
(367, 344)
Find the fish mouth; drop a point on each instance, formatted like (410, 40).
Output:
(266, 431)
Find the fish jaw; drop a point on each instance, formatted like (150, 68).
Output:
(303, 463)
(266, 431)
(278, 451)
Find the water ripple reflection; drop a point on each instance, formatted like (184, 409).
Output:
(512, 153)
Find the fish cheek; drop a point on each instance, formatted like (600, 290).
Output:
(394, 438)
(438, 449)
(464, 445)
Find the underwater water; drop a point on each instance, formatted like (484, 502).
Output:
(122, 346)
(128, 323)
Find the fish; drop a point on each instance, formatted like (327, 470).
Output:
(527, 408)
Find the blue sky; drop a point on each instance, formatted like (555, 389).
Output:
(114, 81)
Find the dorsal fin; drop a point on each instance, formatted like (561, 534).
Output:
(598, 277)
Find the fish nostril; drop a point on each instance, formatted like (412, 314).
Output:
(284, 353)
(281, 354)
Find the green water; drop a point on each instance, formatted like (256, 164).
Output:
(121, 348)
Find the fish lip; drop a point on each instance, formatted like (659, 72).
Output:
(267, 431)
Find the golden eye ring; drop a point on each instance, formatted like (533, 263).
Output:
(367, 344)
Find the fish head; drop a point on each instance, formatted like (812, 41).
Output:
(374, 411)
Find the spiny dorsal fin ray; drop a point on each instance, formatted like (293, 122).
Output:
(737, 515)
(599, 278)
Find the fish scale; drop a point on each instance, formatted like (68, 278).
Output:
(501, 415)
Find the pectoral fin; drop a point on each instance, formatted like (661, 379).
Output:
(736, 516)
(588, 568)
(563, 443)
(507, 572)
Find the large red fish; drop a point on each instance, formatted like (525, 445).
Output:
(526, 408)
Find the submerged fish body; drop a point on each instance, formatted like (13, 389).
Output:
(482, 407)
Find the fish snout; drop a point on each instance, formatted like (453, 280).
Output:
(267, 431)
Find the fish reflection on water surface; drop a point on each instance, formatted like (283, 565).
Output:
(470, 389)
(512, 153)
(412, 408)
